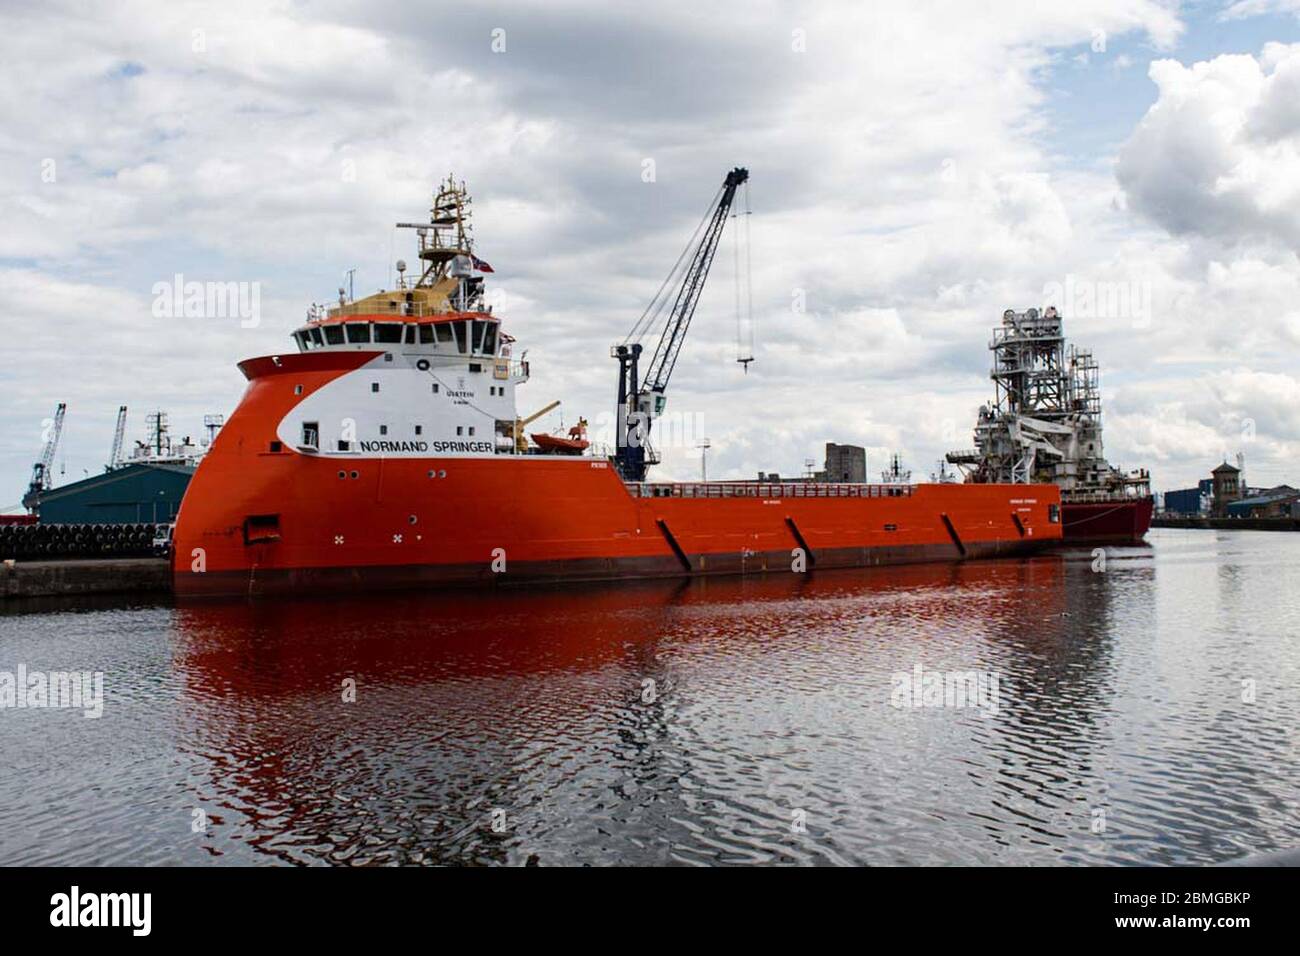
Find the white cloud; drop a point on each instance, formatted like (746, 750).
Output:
(903, 177)
(1218, 154)
(1253, 8)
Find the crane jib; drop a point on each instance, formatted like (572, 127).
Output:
(641, 398)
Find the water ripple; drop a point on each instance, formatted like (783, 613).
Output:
(1146, 714)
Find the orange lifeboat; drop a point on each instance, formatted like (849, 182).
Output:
(556, 445)
(575, 444)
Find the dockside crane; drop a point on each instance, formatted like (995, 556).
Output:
(521, 443)
(115, 456)
(641, 399)
(41, 470)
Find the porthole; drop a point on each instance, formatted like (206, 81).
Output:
(442, 474)
(413, 519)
(343, 474)
(430, 474)
(356, 474)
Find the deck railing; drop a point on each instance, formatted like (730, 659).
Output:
(1102, 497)
(763, 489)
(399, 306)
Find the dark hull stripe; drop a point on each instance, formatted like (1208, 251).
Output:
(395, 577)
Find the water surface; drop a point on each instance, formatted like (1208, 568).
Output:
(712, 721)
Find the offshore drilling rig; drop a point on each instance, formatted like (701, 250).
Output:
(1044, 425)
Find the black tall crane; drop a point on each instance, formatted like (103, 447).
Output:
(642, 399)
(42, 470)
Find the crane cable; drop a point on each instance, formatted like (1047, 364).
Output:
(745, 320)
(660, 301)
(749, 280)
(735, 247)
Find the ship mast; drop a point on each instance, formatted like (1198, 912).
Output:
(446, 237)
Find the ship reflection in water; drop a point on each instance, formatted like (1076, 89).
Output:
(711, 721)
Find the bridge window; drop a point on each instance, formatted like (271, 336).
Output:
(478, 335)
(388, 332)
(410, 335)
(490, 338)
(358, 332)
(459, 329)
(316, 338)
(334, 334)
(426, 335)
(303, 340)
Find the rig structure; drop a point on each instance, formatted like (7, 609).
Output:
(1044, 424)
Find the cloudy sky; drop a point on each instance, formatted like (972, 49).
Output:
(916, 168)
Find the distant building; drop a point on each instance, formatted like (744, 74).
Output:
(125, 495)
(845, 463)
(1185, 501)
(1227, 488)
(1279, 502)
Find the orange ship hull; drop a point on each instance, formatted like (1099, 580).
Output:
(258, 517)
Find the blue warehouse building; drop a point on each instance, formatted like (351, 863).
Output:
(1185, 501)
(126, 495)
